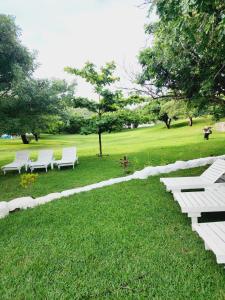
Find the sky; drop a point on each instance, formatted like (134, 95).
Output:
(71, 32)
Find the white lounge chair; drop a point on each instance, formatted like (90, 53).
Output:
(195, 203)
(213, 235)
(21, 160)
(209, 177)
(69, 157)
(45, 158)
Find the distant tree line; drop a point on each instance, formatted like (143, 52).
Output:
(183, 76)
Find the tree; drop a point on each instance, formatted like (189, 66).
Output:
(166, 111)
(182, 109)
(109, 101)
(35, 105)
(16, 62)
(78, 119)
(157, 112)
(187, 58)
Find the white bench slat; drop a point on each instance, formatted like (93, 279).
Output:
(213, 234)
(207, 201)
(215, 171)
(210, 176)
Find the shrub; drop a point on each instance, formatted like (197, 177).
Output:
(27, 179)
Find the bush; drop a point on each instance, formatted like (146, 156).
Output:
(27, 179)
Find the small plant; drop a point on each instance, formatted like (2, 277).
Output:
(125, 163)
(27, 179)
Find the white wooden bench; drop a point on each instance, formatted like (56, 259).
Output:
(208, 178)
(213, 235)
(195, 203)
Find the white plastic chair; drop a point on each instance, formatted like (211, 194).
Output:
(45, 158)
(69, 158)
(21, 160)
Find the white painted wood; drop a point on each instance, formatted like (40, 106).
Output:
(208, 178)
(215, 171)
(213, 235)
(195, 203)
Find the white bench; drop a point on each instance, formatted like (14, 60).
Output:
(208, 178)
(195, 203)
(213, 235)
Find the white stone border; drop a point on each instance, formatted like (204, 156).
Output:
(29, 202)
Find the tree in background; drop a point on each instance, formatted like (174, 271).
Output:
(109, 101)
(77, 120)
(166, 111)
(35, 105)
(16, 62)
(182, 109)
(157, 112)
(187, 59)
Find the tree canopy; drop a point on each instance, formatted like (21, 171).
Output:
(109, 100)
(187, 59)
(35, 105)
(16, 61)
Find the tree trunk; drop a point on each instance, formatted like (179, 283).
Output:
(36, 137)
(190, 121)
(168, 123)
(166, 119)
(100, 142)
(24, 139)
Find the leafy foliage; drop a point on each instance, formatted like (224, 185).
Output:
(187, 56)
(35, 105)
(16, 62)
(109, 101)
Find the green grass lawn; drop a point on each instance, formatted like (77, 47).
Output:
(126, 241)
(144, 147)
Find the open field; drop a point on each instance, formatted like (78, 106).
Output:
(127, 241)
(144, 147)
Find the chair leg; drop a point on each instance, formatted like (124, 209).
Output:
(206, 247)
(194, 220)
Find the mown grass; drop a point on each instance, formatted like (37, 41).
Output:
(144, 147)
(127, 241)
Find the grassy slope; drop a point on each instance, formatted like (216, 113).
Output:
(127, 241)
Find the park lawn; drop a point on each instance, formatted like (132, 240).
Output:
(144, 147)
(126, 241)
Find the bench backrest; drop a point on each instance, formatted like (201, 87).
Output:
(45, 156)
(215, 171)
(69, 154)
(22, 156)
